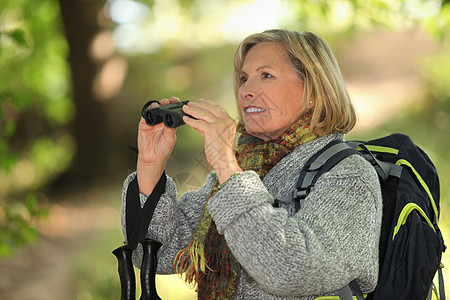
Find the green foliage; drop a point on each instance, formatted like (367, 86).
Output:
(436, 73)
(17, 224)
(439, 25)
(34, 107)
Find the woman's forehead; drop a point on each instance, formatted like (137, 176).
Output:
(265, 55)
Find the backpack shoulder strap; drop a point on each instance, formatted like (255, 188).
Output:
(318, 164)
(384, 169)
(347, 291)
(322, 162)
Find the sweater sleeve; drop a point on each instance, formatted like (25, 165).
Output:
(330, 241)
(173, 221)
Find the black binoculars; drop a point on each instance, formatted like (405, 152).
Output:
(171, 115)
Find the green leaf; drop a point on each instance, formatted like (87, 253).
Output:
(7, 159)
(5, 248)
(10, 128)
(18, 36)
(30, 204)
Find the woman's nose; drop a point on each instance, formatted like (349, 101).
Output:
(248, 93)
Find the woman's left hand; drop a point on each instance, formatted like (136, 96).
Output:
(218, 130)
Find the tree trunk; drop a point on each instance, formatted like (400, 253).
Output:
(82, 22)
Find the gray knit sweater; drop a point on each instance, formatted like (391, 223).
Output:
(330, 241)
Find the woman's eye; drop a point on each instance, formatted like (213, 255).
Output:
(267, 75)
(243, 79)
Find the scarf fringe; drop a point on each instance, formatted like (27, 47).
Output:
(215, 271)
(191, 262)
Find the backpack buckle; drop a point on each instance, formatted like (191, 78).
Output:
(301, 193)
(314, 167)
(370, 158)
(296, 196)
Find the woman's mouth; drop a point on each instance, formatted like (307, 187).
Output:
(253, 109)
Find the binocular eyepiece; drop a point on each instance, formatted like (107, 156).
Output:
(171, 115)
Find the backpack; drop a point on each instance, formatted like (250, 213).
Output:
(411, 243)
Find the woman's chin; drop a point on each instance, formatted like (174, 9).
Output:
(261, 130)
(258, 132)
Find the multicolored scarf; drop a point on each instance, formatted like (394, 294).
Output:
(207, 261)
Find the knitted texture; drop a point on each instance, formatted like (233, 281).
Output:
(332, 240)
(207, 260)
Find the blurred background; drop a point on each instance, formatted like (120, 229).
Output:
(74, 75)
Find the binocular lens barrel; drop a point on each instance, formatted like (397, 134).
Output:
(173, 120)
(171, 115)
(152, 116)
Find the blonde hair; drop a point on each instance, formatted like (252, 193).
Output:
(311, 57)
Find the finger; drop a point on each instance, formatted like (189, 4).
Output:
(164, 101)
(155, 105)
(148, 105)
(198, 112)
(209, 107)
(198, 125)
(209, 112)
(174, 100)
(214, 108)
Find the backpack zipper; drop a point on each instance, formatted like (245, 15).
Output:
(403, 162)
(410, 207)
(382, 149)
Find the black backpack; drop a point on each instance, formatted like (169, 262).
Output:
(411, 243)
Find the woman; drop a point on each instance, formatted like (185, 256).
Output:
(227, 237)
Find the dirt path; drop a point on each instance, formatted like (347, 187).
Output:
(39, 272)
(43, 270)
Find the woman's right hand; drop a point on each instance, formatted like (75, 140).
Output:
(155, 144)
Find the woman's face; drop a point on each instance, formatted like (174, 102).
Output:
(270, 94)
